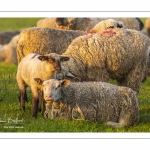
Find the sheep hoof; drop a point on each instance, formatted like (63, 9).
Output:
(35, 116)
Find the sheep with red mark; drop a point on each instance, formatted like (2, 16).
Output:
(36, 66)
(117, 106)
(112, 53)
(86, 24)
(107, 24)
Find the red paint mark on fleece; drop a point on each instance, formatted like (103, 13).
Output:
(108, 33)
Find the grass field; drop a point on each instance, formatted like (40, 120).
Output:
(12, 119)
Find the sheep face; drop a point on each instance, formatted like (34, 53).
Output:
(54, 60)
(52, 88)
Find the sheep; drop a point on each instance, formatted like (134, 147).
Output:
(107, 24)
(147, 26)
(112, 53)
(6, 36)
(117, 106)
(8, 51)
(44, 40)
(40, 66)
(87, 24)
(47, 23)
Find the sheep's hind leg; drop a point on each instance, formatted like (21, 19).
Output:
(133, 79)
(115, 124)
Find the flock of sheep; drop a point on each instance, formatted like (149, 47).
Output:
(70, 61)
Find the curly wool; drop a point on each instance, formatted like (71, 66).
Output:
(109, 54)
(47, 23)
(106, 24)
(44, 41)
(86, 24)
(96, 101)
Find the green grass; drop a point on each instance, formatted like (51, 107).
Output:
(10, 109)
(17, 23)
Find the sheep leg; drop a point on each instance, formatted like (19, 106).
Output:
(40, 100)
(35, 101)
(115, 124)
(44, 107)
(22, 98)
(23, 95)
(133, 79)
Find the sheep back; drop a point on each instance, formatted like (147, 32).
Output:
(109, 54)
(44, 40)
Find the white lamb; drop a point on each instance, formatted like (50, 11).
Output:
(40, 66)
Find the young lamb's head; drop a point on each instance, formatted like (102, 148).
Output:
(52, 88)
(55, 60)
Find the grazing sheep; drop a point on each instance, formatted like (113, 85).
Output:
(6, 36)
(87, 24)
(107, 24)
(93, 101)
(36, 66)
(112, 53)
(44, 40)
(8, 51)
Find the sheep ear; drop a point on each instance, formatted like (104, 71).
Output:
(65, 82)
(64, 58)
(70, 75)
(39, 81)
(43, 58)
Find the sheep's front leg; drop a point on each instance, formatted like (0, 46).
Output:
(35, 101)
(22, 98)
(40, 100)
(23, 95)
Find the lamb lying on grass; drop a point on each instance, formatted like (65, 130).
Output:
(93, 101)
(39, 66)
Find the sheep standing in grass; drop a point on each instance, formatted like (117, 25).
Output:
(112, 53)
(44, 40)
(8, 51)
(87, 24)
(93, 101)
(39, 66)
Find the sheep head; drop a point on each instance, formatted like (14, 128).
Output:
(52, 88)
(54, 59)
